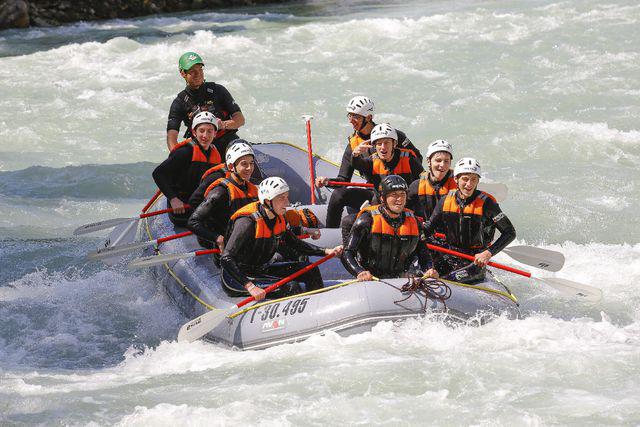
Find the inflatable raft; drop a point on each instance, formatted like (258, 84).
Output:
(344, 306)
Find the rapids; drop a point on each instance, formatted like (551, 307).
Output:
(544, 93)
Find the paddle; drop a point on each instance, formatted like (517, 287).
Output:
(113, 251)
(498, 190)
(307, 118)
(109, 223)
(544, 259)
(150, 202)
(149, 261)
(152, 260)
(202, 325)
(564, 286)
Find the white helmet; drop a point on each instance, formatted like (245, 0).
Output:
(205, 117)
(439, 145)
(360, 105)
(383, 130)
(238, 148)
(467, 165)
(271, 187)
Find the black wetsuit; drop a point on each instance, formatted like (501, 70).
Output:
(354, 197)
(247, 258)
(386, 255)
(211, 97)
(469, 233)
(179, 174)
(402, 163)
(197, 196)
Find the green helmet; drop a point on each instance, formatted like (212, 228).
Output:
(188, 60)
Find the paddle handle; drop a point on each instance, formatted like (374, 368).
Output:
(312, 175)
(206, 252)
(471, 258)
(349, 184)
(174, 236)
(160, 212)
(150, 202)
(287, 279)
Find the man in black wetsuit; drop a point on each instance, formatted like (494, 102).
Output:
(179, 175)
(360, 114)
(387, 240)
(469, 218)
(202, 96)
(387, 159)
(225, 196)
(253, 237)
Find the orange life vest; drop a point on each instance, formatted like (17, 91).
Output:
(262, 229)
(389, 249)
(238, 197)
(466, 228)
(428, 195)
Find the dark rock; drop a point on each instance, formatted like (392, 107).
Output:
(19, 13)
(14, 14)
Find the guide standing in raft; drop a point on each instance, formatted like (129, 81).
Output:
(202, 96)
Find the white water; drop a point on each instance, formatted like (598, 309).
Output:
(544, 93)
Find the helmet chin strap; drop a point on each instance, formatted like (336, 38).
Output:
(365, 122)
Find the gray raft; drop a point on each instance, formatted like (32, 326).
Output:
(343, 306)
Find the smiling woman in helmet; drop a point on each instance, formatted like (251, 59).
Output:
(434, 183)
(198, 96)
(179, 175)
(254, 233)
(225, 196)
(360, 111)
(469, 218)
(387, 240)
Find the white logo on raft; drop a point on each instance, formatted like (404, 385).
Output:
(273, 325)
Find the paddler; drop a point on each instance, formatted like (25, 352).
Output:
(434, 183)
(199, 96)
(179, 175)
(360, 111)
(387, 159)
(387, 240)
(469, 218)
(254, 233)
(225, 196)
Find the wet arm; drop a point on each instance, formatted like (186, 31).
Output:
(435, 220)
(166, 172)
(177, 114)
(304, 248)
(502, 223)
(213, 208)
(243, 228)
(358, 235)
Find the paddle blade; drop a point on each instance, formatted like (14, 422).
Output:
(113, 251)
(152, 260)
(101, 225)
(536, 257)
(498, 190)
(200, 326)
(578, 290)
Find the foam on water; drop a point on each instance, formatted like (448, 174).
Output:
(314, 381)
(543, 94)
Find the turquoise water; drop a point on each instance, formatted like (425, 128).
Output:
(543, 93)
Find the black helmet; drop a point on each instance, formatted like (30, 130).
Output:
(392, 183)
